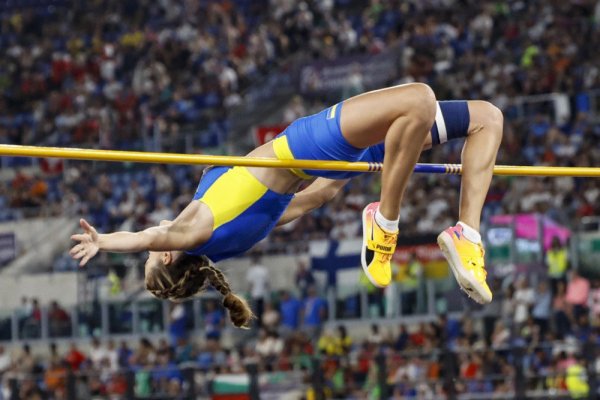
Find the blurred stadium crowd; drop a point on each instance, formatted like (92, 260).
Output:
(557, 333)
(114, 74)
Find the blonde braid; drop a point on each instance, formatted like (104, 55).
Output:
(239, 310)
(189, 275)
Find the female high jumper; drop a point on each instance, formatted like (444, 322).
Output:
(236, 207)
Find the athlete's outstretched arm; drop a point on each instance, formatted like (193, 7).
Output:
(188, 230)
(314, 196)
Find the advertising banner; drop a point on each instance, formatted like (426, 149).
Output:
(367, 71)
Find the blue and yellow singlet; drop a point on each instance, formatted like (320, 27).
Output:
(244, 211)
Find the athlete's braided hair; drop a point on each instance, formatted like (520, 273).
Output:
(187, 276)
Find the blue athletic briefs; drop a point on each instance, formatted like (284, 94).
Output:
(319, 137)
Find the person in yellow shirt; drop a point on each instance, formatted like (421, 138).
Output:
(557, 262)
(344, 340)
(335, 345)
(576, 380)
(328, 344)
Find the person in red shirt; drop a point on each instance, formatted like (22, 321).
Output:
(75, 358)
(59, 320)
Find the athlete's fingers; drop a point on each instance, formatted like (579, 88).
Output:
(80, 254)
(84, 261)
(76, 249)
(85, 225)
(80, 237)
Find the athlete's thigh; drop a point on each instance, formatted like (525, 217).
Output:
(366, 118)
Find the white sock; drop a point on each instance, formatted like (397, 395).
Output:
(470, 233)
(386, 224)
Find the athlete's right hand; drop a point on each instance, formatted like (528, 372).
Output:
(88, 243)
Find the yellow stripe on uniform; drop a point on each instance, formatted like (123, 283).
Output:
(331, 113)
(232, 194)
(282, 150)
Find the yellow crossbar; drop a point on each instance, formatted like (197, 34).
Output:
(199, 159)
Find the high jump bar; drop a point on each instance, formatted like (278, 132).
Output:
(201, 159)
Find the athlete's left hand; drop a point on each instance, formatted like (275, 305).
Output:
(88, 243)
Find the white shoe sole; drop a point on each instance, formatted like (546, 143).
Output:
(464, 277)
(363, 253)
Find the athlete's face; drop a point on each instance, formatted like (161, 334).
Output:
(154, 260)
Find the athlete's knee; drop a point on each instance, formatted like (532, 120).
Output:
(423, 104)
(494, 114)
(488, 117)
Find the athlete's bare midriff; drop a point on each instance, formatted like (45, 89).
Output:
(279, 180)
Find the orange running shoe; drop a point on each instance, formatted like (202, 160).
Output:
(466, 260)
(378, 247)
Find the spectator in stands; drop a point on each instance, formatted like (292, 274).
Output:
(577, 379)
(304, 277)
(24, 313)
(375, 337)
(5, 361)
(557, 262)
(55, 377)
(59, 322)
(344, 339)
(32, 327)
(594, 302)
(123, 354)
(166, 372)
(290, 309)
(508, 305)
(177, 323)
(271, 317)
(562, 311)
(524, 298)
(493, 311)
(314, 313)
(97, 353)
(258, 286)
(578, 292)
(26, 362)
(328, 344)
(269, 346)
(214, 320)
(211, 355)
(114, 282)
(184, 350)
(54, 356)
(500, 336)
(542, 308)
(145, 354)
(75, 357)
(402, 339)
(30, 390)
(38, 192)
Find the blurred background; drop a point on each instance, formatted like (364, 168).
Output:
(220, 77)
